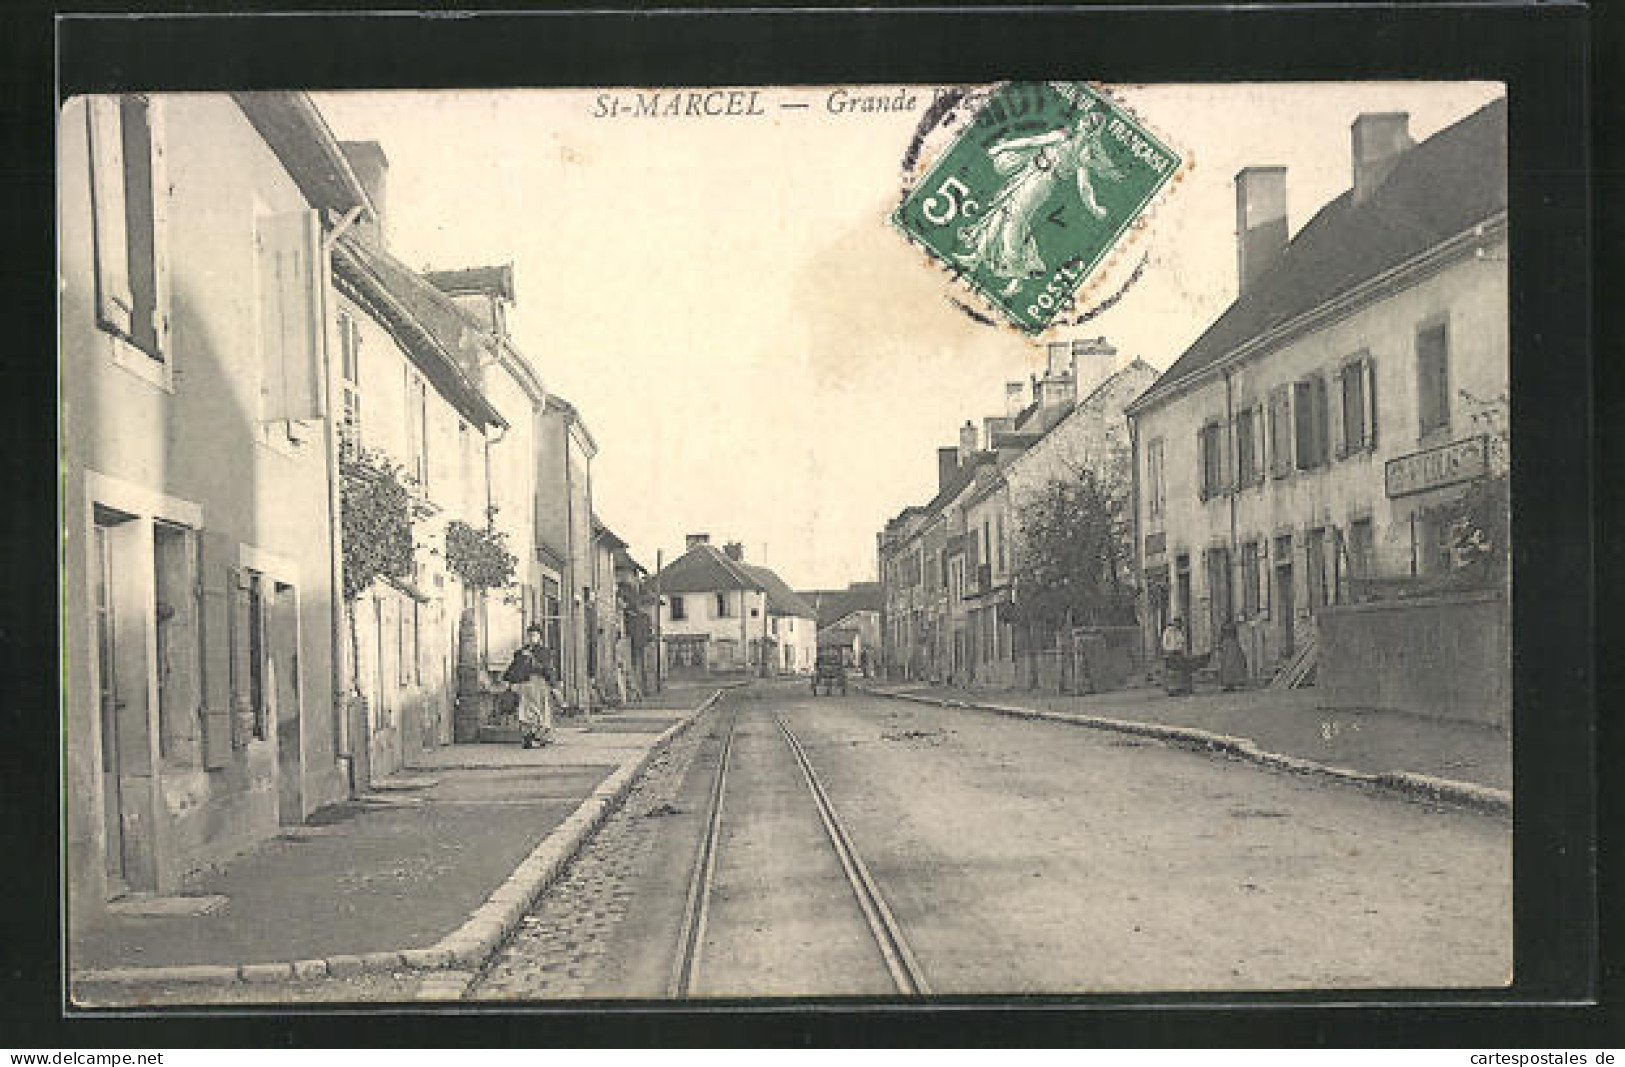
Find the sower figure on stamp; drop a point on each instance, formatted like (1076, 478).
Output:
(531, 675)
(1002, 239)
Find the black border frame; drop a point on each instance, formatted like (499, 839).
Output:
(1543, 53)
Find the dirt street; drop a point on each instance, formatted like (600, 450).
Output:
(1021, 856)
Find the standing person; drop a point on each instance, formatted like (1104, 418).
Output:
(1232, 660)
(1177, 668)
(533, 677)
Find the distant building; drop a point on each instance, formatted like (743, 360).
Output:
(1304, 445)
(718, 613)
(565, 562)
(946, 567)
(850, 619)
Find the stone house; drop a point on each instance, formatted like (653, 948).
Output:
(565, 565)
(198, 644)
(1308, 439)
(716, 613)
(407, 361)
(954, 620)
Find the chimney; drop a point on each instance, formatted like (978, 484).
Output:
(1377, 142)
(697, 539)
(1059, 389)
(967, 440)
(1015, 398)
(734, 551)
(371, 168)
(996, 424)
(1093, 360)
(1260, 222)
(1059, 359)
(947, 466)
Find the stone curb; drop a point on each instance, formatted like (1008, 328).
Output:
(1421, 786)
(455, 960)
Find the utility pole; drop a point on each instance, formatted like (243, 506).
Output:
(764, 632)
(660, 651)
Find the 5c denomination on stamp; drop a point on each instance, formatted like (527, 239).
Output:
(1031, 197)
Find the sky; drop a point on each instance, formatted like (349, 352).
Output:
(759, 355)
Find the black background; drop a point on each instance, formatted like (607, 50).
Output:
(1547, 55)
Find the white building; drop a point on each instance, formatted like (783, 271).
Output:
(717, 613)
(1310, 435)
(406, 359)
(198, 642)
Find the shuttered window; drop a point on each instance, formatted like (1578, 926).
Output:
(129, 211)
(1433, 379)
(292, 332)
(219, 667)
(1310, 423)
(1249, 447)
(1210, 445)
(1280, 436)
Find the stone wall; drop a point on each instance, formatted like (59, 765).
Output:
(1446, 656)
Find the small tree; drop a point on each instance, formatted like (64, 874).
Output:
(479, 558)
(1073, 552)
(1480, 521)
(376, 510)
(376, 513)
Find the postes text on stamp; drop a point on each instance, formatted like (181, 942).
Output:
(1040, 186)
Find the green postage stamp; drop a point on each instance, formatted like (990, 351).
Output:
(1034, 193)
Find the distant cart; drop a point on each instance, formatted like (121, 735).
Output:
(829, 671)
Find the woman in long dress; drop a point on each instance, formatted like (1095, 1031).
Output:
(1232, 660)
(532, 676)
(1001, 240)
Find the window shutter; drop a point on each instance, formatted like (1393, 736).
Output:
(1324, 384)
(1337, 414)
(292, 277)
(114, 304)
(160, 224)
(242, 704)
(1370, 370)
(1227, 456)
(1201, 464)
(1260, 453)
(1281, 432)
(217, 672)
(1266, 567)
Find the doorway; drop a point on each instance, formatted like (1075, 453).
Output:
(282, 665)
(1284, 605)
(122, 563)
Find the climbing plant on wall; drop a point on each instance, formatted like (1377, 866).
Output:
(376, 520)
(479, 558)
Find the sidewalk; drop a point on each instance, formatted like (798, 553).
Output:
(403, 867)
(1286, 723)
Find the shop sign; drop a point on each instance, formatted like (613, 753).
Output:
(1459, 461)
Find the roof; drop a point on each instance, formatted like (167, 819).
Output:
(1439, 189)
(296, 132)
(604, 533)
(781, 599)
(833, 605)
(571, 415)
(840, 637)
(434, 330)
(704, 569)
(494, 281)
